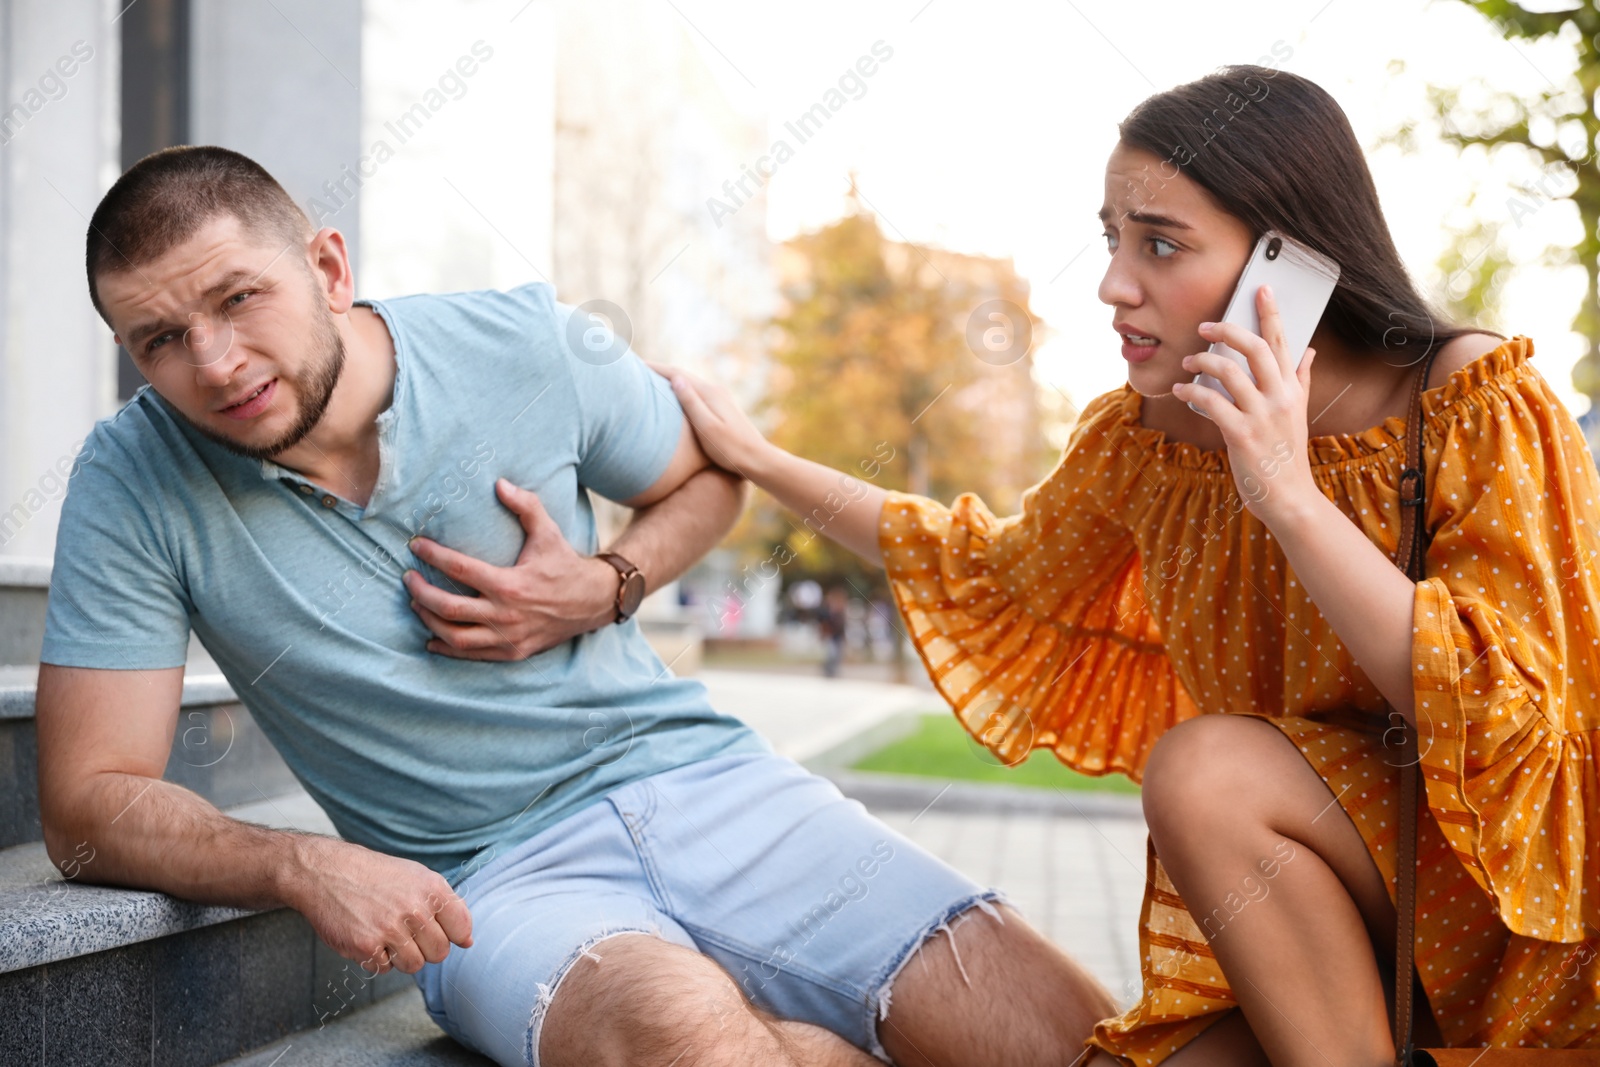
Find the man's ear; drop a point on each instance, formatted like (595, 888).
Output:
(330, 265)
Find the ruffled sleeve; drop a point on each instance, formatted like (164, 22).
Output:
(1035, 627)
(1506, 651)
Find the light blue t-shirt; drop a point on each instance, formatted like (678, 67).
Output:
(296, 591)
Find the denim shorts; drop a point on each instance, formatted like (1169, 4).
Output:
(808, 902)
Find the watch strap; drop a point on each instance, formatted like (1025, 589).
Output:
(625, 570)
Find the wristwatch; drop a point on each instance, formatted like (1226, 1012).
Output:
(630, 586)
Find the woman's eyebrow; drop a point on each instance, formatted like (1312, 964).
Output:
(1149, 219)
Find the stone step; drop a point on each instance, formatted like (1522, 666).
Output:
(909, 792)
(24, 587)
(217, 750)
(395, 1032)
(102, 975)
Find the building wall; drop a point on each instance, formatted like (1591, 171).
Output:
(644, 136)
(58, 148)
(460, 109)
(279, 82)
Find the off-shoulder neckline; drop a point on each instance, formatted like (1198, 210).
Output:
(1328, 449)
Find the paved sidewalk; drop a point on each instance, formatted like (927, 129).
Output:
(804, 717)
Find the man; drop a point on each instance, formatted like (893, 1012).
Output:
(627, 876)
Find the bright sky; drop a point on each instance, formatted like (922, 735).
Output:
(988, 130)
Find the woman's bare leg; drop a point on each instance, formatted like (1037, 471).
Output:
(1278, 877)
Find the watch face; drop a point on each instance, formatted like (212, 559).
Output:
(632, 593)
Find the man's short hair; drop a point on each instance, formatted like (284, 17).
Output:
(165, 198)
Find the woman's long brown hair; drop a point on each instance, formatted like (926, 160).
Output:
(1276, 151)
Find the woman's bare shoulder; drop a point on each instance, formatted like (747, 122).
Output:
(1458, 352)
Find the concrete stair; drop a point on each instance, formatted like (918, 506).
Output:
(99, 975)
(394, 1032)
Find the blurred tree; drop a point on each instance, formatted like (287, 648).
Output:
(1558, 130)
(1476, 267)
(905, 367)
(882, 371)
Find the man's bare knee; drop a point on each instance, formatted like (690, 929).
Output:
(988, 964)
(943, 939)
(636, 999)
(987, 938)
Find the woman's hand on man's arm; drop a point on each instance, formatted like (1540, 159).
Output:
(829, 502)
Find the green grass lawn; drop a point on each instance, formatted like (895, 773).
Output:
(942, 749)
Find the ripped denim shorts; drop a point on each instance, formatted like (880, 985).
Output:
(806, 900)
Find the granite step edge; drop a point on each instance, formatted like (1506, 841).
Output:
(18, 685)
(45, 917)
(906, 792)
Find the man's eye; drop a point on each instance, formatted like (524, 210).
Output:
(235, 297)
(157, 342)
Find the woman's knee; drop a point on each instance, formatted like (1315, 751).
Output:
(1208, 770)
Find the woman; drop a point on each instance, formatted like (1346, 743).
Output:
(1186, 599)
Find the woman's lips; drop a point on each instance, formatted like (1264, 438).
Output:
(1135, 353)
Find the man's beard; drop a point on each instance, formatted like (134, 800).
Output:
(314, 386)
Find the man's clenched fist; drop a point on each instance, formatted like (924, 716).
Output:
(381, 911)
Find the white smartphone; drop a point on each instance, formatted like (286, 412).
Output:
(1302, 281)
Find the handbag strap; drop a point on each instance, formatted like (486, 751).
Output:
(1409, 557)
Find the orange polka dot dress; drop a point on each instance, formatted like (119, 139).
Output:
(1134, 590)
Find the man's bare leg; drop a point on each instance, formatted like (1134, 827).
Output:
(989, 991)
(650, 1003)
(994, 992)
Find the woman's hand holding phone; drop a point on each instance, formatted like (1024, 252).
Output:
(1265, 425)
(1303, 281)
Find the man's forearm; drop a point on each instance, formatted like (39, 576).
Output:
(667, 538)
(147, 833)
